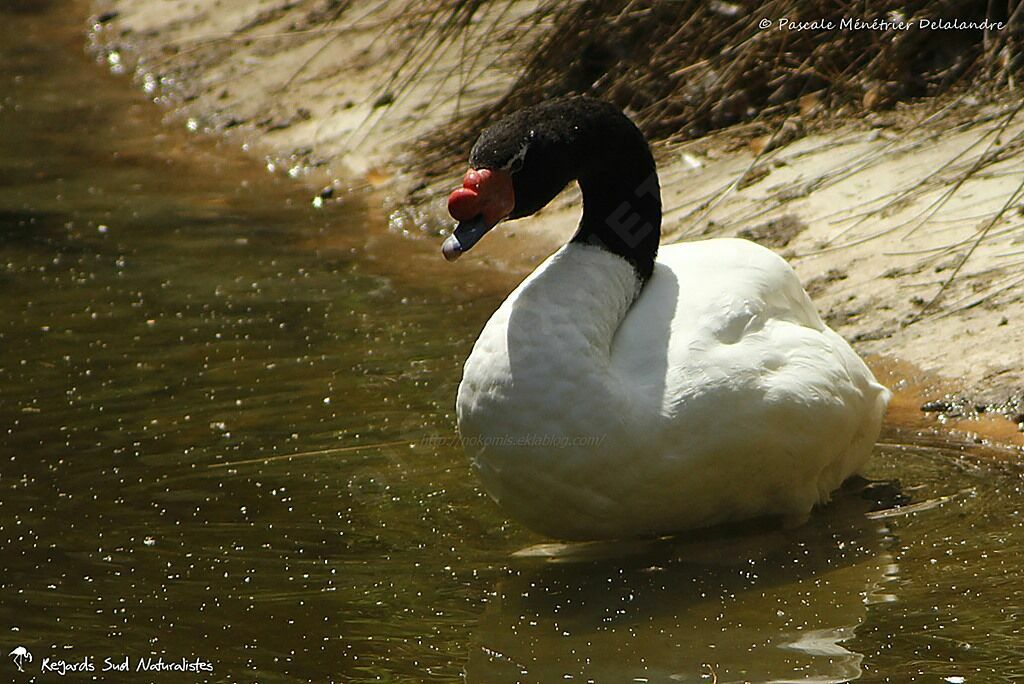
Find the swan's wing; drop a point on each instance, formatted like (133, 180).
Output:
(726, 349)
(705, 294)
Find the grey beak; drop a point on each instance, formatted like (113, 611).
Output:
(462, 239)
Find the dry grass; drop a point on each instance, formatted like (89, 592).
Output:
(687, 67)
(682, 68)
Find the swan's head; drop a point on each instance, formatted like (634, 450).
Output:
(517, 166)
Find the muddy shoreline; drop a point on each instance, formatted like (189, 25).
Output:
(905, 225)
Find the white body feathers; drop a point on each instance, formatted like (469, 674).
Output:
(718, 395)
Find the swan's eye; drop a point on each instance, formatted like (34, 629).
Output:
(516, 162)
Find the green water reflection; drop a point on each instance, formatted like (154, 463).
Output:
(174, 322)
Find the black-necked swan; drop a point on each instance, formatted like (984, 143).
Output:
(619, 392)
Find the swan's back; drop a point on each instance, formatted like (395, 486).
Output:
(748, 380)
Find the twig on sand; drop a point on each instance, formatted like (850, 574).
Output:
(981, 237)
(706, 211)
(316, 53)
(983, 159)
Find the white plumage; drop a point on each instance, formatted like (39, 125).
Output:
(717, 395)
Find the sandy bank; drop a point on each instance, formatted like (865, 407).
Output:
(907, 227)
(317, 86)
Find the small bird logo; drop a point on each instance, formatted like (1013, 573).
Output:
(21, 656)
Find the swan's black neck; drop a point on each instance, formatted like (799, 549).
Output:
(622, 211)
(590, 141)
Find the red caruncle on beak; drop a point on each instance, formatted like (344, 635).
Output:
(485, 193)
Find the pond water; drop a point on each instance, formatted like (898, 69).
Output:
(227, 438)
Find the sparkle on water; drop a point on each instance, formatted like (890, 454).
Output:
(174, 324)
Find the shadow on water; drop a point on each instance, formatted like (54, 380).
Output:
(748, 605)
(174, 323)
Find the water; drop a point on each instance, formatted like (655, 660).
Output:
(175, 322)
